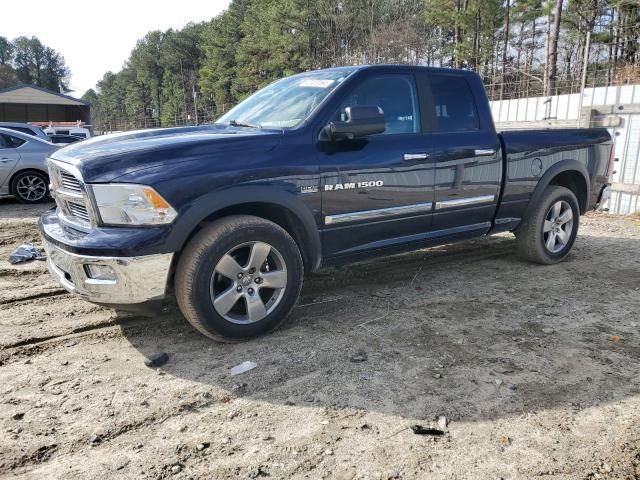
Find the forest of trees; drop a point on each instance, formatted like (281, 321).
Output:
(519, 47)
(28, 60)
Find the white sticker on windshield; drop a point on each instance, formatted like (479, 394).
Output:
(316, 83)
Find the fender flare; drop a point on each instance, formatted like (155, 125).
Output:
(206, 205)
(553, 172)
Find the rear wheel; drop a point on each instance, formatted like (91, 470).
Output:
(239, 278)
(30, 187)
(549, 233)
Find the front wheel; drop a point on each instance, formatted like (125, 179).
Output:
(239, 278)
(549, 233)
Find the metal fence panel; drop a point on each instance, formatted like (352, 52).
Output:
(565, 109)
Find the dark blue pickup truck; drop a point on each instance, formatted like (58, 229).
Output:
(322, 168)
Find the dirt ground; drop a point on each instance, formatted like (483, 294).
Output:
(536, 369)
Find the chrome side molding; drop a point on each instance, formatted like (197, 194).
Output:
(404, 210)
(415, 156)
(463, 202)
(484, 152)
(377, 214)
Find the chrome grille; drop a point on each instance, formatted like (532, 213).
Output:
(69, 192)
(69, 182)
(79, 211)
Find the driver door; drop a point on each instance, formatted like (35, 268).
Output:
(377, 192)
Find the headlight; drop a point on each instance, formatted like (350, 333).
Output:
(129, 204)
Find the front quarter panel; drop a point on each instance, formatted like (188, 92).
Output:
(285, 176)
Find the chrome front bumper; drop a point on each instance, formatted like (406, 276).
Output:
(131, 280)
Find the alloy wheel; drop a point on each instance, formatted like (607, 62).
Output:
(31, 188)
(248, 282)
(558, 226)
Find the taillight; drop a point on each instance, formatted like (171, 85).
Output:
(611, 160)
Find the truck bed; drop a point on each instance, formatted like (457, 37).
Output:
(531, 155)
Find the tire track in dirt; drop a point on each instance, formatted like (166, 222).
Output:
(79, 332)
(35, 296)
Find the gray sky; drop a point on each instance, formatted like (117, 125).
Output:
(95, 37)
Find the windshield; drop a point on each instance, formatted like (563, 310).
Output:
(286, 103)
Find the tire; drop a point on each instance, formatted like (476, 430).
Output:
(30, 186)
(548, 234)
(232, 247)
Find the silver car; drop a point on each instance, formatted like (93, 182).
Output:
(23, 171)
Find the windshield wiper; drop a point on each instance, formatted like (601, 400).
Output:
(235, 123)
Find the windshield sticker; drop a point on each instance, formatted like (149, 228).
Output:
(316, 83)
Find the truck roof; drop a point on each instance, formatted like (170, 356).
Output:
(399, 67)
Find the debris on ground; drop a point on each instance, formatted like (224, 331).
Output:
(420, 430)
(615, 338)
(442, 422)
(243, 367)
(503, 370)
(25, 253)
(361, 356)
(156, 359)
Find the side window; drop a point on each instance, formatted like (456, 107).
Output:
(9, 141)
(395, 95)
(455, 107)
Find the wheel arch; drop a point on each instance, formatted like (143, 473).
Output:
(570, 174)
(280, 207)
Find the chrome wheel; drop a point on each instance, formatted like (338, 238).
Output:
(558, 226)
(31, 188)
(248, 282)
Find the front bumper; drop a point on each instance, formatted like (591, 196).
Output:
(131, 280)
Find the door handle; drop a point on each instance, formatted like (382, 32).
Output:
(5, 160)
(484, 152)
(415, 156)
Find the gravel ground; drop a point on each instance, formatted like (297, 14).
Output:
(536, 370)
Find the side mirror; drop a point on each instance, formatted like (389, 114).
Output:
(361, 121)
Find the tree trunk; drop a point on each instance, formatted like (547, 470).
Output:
(505, 47)
(551, 63)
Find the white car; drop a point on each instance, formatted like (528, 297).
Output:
(74, 131)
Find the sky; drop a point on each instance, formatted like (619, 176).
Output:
(97, 37)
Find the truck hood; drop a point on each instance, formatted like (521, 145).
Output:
(105, 158)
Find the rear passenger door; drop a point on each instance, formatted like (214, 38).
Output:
(466, 156)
